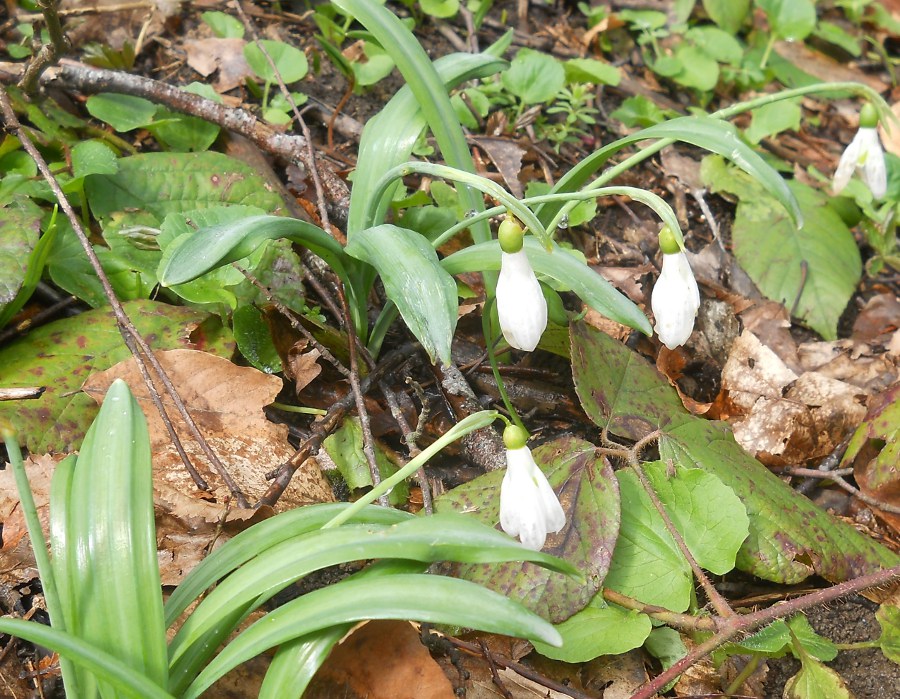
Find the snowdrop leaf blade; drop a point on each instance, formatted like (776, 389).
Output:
(415, 281)
(588, 492)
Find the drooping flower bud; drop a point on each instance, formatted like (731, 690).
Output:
(529, 509)
(864, 155)
(521, 306)
(675, 299)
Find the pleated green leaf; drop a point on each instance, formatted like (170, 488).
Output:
(111, 575)
(389, 137)
(429, 598)
(260, 537)
(429, 92)
(190, 256)
(564, 268)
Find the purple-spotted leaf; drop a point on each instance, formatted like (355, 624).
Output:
(589, 494)
(790, 538)
(62, 354)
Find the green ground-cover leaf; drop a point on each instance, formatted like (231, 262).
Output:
(878, 437)
(20, 227)
(598, 629)
(588, 492)
(814, 269)
(647, 564)
(345, 447)
(728, 14)
(816, 681)
(62, 354)
(710, 517)
(790, 538)
(888, 616)
(534, 76)
(164, 183)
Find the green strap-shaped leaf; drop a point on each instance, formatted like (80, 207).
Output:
(389, 137)
(430, 598)
(261, 536)
(429, 91)
(190, 256)
(113, 572)
(705, 132)
(414, 280)
(120, 675)
(559, 265)
(429, 539)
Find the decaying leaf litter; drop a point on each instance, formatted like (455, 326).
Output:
(793, 376)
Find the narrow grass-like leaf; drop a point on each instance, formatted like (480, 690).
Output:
(714, 135)
(429, 539)
(559, 265)
(389, 137)
(428, 89)
(111, 540)
(296, 662)
(415, 281)
(119, 675)
(430, 598)
(261, 536)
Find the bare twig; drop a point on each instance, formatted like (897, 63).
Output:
(89, 80)
(50, 53)
(140, 349)
(746, 623)
(391, 397)
(329, 422)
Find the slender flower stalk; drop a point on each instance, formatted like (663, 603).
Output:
(529, 509)
(864, 155)
(521, 305)
(675, 299)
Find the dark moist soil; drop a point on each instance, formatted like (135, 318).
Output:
(868, 674)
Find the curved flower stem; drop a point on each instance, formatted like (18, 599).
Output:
(858, 89)
(460, 429)
(492, 358)
(657, 203)
(522, 212)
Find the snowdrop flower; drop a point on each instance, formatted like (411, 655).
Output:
(864, 155)
(529, 508)
(675, 298)
(521, 306)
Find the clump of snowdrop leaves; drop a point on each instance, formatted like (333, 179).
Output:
(864, 155)
(675, 299)
(529, 509)
(521, 306)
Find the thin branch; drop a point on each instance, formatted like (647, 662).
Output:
(50, 53)
(746, 623)
(391, 397)
(687, 623)
(71, 75)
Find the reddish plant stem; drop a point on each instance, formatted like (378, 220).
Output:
(744, 623)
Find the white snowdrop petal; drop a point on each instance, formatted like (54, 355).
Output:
(521, 307)
(529, 508)
(675, 300)
(863, 154)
